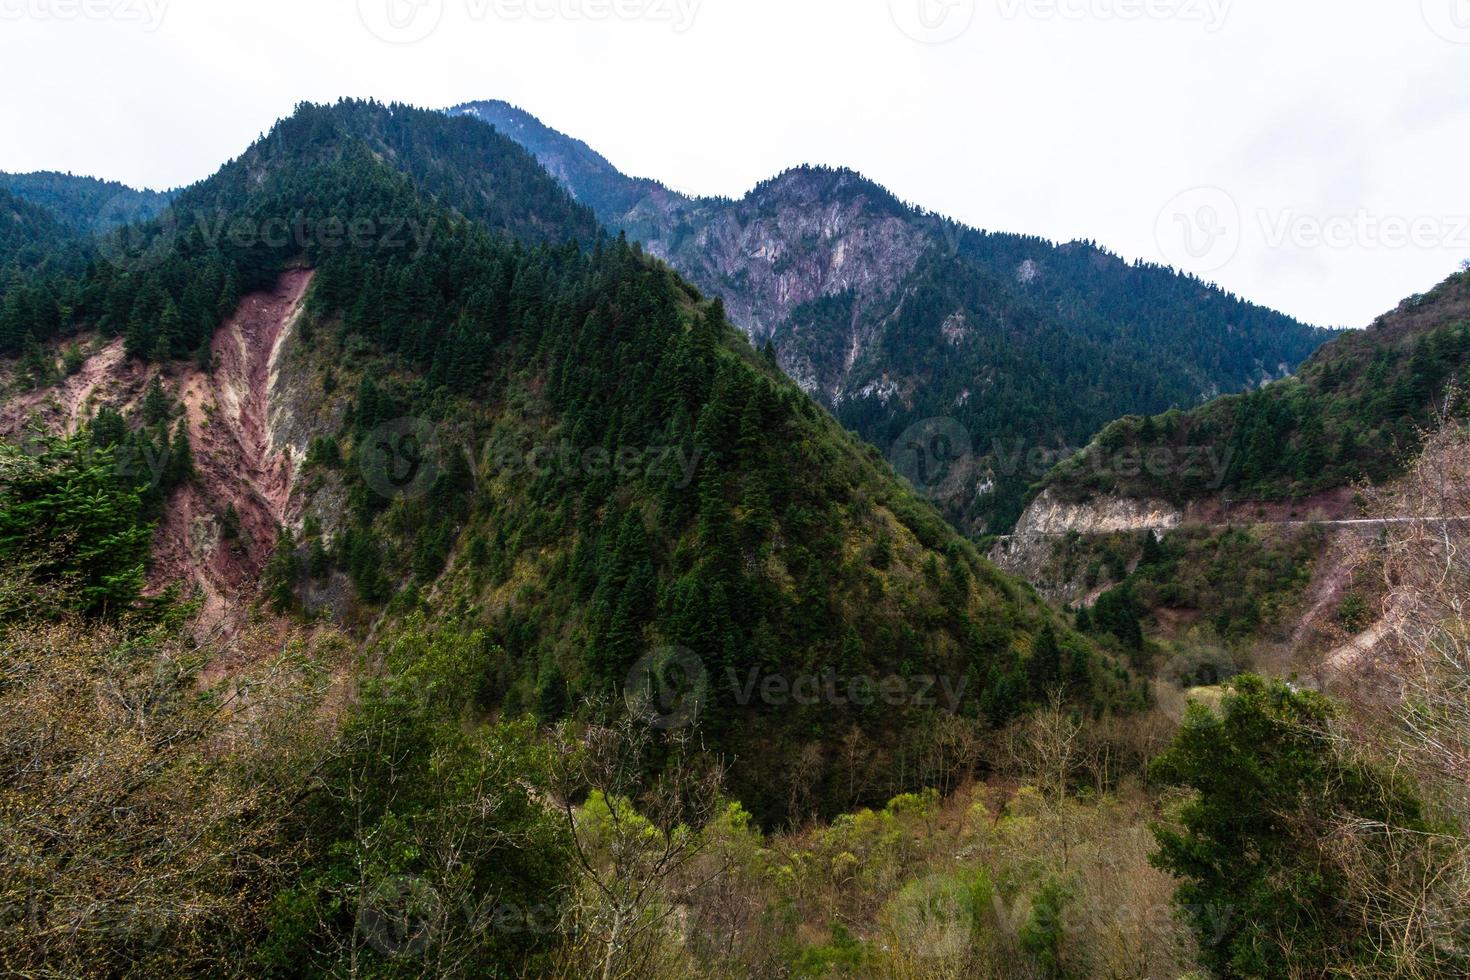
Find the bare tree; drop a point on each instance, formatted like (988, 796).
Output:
(635, 800)
(1410, 687)
(142, 807)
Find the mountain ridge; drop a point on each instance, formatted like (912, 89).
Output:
(789, 549)
(882, 310)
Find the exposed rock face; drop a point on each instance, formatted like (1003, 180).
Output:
(239, 456)
(250, 420)
(889, 314)
(1031, 551)
(1102, 515)
(806, 235)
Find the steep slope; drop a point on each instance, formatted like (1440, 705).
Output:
(1269, 545)
(892, 316)
(167, 283)
(1354, 410)
(243, 457)
(565, 457)
(241, 461)
(575, 165)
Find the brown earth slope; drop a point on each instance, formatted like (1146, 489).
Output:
(234, 454)
(238, 457)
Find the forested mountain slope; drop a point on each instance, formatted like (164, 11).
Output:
(1239, 534)
(29, 235)
(603, 470)
(892, 316)
(86, 205)
(544, 618)
(1356, 409)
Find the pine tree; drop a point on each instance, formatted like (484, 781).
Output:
(1153, 553)
(169, 332)
(180, 464)
(281, 572)
(229, 525)
(1116, 612)
(156, 404)
(65, 514)
(107, 428)
(36, 365)
(1044, 668)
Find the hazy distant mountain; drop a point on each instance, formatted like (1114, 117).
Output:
(87, 205)
(893, 316)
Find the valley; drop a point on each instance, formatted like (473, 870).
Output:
(901, 321)
(603, 581)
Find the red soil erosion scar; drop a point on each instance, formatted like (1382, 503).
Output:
(228, 414)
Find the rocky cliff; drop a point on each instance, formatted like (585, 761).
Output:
(891, 315)
(1048, 514)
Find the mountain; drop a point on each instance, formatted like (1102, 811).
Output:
(29, 234)
(604, 474)
(1006, 349)
(1357, 409)
(86, 205)
(1240, 534)
(429, 583)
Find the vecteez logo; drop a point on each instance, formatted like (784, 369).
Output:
(400, 458)
(933, 455)
(932, 21)
(131, 245)
(1210, 14)
(411, 21)
(399, 916)
(1364, 229)
(401, 21)
(1199, 230)
(147, 14)
(666, 688)
(1450, 19)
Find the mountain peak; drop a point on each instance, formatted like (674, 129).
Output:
(583, 171)
(807, 183)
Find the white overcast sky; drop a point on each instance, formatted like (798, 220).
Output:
(1313, 155)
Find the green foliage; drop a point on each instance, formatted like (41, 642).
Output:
(429, 844)
(1116, 612)
(1153, 553)
(1354, 613)
(1356, 410)
(157, 406)
(1041, 934)
(180, 463)
(229, 523)
(843, 955)
(1248, 844)
(324, 451)
(85, 205)
(72, 360)
(64, 507)
(35, 243)
(281, 573)
(1044, 668)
